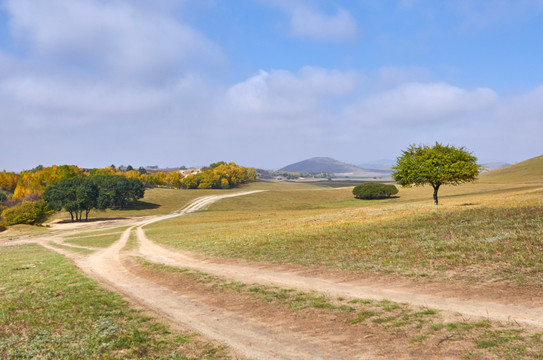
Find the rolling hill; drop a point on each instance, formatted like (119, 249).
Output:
(529, 171)
(325, 164)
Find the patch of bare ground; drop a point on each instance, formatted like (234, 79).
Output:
(323, 326)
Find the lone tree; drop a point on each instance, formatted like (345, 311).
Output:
(437, 165)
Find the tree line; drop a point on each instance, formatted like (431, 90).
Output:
(219, 175)
(78, 190)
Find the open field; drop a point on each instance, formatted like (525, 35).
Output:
(49, 310)
(483, 232)
(279, 264)
(392, 327)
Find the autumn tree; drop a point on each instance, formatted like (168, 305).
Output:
(190, 181)
(27, 212)
(36, 180)
(436, 165)
(8, 181)
(174, 180)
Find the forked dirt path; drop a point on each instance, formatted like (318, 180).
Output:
(248, 337)
(529, 315)
(153, 252)
(245, 336)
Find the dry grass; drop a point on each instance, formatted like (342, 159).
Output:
(391, 324)
(529, 171)
(484, 231)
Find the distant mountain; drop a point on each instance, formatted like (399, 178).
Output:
(528, 171)
(320, 164)
(325, 164)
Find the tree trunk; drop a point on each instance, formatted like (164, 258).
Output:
(436, 188)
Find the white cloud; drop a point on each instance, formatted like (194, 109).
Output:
(102, 61)
(105, 99)
(413, 103)
(281, 92)
(117, 37)
(521, 117)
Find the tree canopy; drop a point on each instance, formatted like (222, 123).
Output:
(80, 195)
(374, 190)
(436, 165)
(27, 212)
(219, 175)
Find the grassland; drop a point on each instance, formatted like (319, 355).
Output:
(49, 310)
(489, 231)
(482, 232)
(17, 231)
(529, 171)
(420, 327)
(99, 239)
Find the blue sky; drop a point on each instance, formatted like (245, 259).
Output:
(266, 83)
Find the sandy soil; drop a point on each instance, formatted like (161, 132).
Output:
(258, 332)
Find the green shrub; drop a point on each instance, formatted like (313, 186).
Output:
(3, 196)
(27, 212)
(373, 190)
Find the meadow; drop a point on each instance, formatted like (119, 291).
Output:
(50, 310)
(487, 232)
(482, 232)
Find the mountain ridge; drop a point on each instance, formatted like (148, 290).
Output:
(317, 165)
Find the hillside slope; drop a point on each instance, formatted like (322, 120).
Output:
(325, 164)
(320, 164)
(529, 171)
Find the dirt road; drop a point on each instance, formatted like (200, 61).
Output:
(249, 337)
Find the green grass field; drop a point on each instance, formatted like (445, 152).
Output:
(481, 232)
(491, 230)
(49, 310)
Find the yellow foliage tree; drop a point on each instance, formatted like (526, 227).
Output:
(8, 181)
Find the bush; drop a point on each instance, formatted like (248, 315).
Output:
(3, 197)
(373, 190)
(27, 212)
